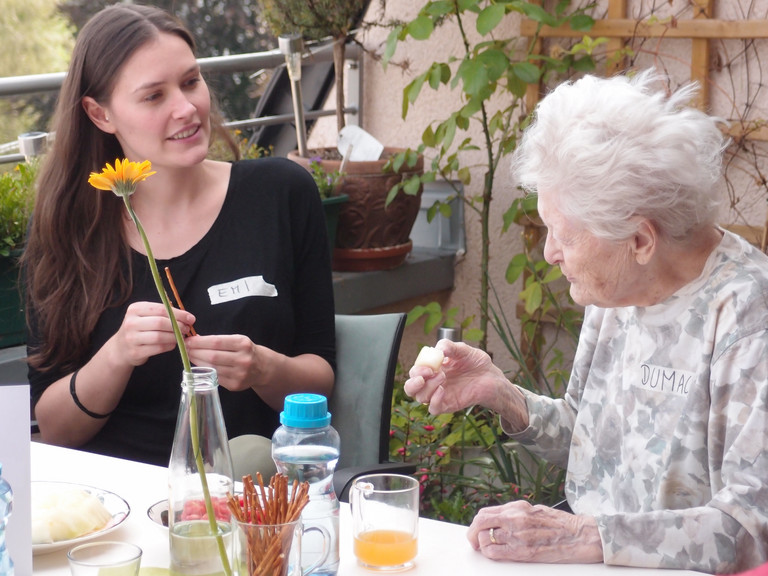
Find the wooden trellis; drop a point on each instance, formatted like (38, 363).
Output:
(701, 30)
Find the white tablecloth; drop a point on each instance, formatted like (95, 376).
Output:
(443, 547)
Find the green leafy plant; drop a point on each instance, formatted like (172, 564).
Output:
(492, 76)
(17, 198)
(434, 317)
(317, 20)
(221, 150)
(464, 460)
(326, 181)
(546, 301)
(465, 463)
(249, 150)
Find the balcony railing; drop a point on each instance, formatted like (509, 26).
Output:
(428, 269)
(254, 62)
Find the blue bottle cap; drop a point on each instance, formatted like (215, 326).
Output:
(305, 411)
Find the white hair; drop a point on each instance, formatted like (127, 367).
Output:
(610, 149)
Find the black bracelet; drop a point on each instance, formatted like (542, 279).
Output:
(77, 400)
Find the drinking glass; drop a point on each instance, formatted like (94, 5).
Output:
(275, 549)
(385, 516)
(105, 559)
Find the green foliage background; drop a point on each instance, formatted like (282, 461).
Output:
(37, 38)
(220, 28)
(41, 34)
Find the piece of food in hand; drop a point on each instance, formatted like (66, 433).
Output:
(65, 514)
(429, 356)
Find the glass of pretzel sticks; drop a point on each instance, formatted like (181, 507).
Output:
(269, 527)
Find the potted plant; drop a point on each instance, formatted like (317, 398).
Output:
(16, 202)
(374, 225)
(328, 187)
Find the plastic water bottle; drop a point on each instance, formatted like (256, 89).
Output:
(306, 448)
(6, 505)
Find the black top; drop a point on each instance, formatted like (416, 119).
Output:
(262, 270)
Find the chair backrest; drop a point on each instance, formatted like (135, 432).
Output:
(361, 403)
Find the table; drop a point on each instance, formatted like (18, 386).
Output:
(443, 547)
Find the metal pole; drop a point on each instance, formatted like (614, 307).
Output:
(32, 144)
(292, 46)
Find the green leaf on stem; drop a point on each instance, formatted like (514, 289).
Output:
(583, 64)
(582, 22)
(469, 5)
(538, 14)
(527, 72)
(391, 45)
(446, 132)
(440, 8)
(515, 267)
(397, 161)
(412, 90)
(495, 61)
(439, 73)
(392, 193)
(428, 137)
(412, 185)
(421, 27)
(473, 76)
(553, 274)
(533, 297)
(489, 18)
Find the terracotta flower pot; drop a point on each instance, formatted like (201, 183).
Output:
(370, 236)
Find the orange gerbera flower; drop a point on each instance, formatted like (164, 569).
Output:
(123, 178)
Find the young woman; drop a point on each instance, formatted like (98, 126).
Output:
(245, 243)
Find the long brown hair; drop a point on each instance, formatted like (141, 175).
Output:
(77, 259)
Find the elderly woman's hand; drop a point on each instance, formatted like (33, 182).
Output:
(466, 377)
(525, 533)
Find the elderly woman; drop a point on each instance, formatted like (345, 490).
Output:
(664, 425)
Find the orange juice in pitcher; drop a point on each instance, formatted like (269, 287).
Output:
(385, 547)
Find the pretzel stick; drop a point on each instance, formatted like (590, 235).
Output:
(176, 295)
(266, 509)
(235, 508)
(256, 509)
(271, 555)
(268, 502)
(299, 499)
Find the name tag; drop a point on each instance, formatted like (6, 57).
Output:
(241, 288)
(668, 380)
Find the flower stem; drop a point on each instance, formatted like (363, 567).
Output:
(160, 288)
(190, 383)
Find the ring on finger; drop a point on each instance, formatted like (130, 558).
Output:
(492, 536)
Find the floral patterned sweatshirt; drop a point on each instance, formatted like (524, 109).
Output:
(664, 424)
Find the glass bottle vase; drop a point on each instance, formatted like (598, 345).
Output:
(200, 476)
